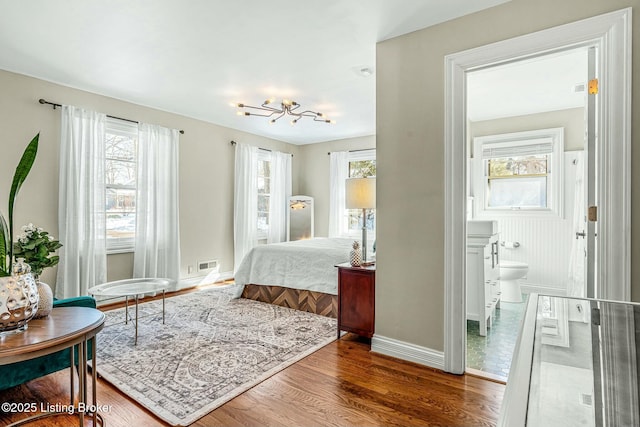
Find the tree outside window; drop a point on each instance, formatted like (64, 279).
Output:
(518, 182)
(361, 169)
(121, 143)
(264, 194)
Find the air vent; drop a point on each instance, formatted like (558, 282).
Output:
(207, 265)
(586, 399)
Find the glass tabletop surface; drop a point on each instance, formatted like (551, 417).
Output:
(585, 371)
(129, 287)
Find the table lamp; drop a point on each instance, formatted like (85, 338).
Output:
(360, 193)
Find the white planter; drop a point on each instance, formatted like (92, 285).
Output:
(18, 302)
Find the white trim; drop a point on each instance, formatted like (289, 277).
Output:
(205, 279)
(359, 155)
(611, 33)
(406, 351)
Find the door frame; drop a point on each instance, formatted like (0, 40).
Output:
(611, 33)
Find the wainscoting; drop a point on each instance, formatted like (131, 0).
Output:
(545, 243)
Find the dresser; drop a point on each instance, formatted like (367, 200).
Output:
(483, 272)
(356, 299)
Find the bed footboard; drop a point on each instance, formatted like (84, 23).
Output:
(299, 299)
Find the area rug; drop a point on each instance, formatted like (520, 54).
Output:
(211, 349)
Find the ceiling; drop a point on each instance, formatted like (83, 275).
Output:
(536, 85)
(196, 57)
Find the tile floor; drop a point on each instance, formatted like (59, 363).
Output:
(492, 354)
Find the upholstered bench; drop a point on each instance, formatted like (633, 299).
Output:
(21, 372)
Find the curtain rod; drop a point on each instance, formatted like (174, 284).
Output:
(354, 151)
(259, 148)
(54, 105)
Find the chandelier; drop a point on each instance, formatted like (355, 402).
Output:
(287, 108)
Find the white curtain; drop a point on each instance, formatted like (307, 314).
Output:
(576, 286)
(81, 203)
(245, 202)
(157, 240)
(338, 174)
(280, 193)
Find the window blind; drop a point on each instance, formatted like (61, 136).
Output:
(517, 148)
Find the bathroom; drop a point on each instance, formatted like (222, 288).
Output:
(526, 171)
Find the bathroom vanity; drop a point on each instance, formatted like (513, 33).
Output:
(575, 363)
(483, 272)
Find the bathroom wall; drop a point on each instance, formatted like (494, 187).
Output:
(545, 243)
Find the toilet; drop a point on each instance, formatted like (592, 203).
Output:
(510, 273)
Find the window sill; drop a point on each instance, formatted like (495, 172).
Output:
(518, 213)
(115, 251)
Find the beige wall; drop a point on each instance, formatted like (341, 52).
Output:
(410, 153)
(314, 178)
(206, 168)
(572, 120)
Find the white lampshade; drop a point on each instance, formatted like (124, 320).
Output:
(360, 193)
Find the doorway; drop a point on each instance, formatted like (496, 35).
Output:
(610, 34)
(526, 174)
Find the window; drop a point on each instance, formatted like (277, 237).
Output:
(519, 173)
(518, 182)
(121, 140)
(264, 193)
(362, 164)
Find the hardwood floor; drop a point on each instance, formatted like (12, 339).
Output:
(341, 384)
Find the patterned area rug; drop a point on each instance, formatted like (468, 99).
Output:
(211, 349)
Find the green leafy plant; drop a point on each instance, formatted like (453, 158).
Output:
(6, 232)
(35, 246)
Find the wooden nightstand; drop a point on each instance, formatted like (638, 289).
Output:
(356, 299)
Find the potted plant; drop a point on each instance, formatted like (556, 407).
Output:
(18, 292)
(34, 247)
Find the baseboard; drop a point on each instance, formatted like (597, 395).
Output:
(184, 283)
(531, 288)
(213, 277)
(406, 351)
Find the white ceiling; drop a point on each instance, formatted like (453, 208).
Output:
(541, 84)
(196, 57)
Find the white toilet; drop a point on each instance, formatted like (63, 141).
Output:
(510, 273)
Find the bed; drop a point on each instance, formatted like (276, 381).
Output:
(299, 274)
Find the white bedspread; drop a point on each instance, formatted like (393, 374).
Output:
(303, 264)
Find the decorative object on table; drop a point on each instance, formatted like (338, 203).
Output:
(45, 299)
(18, 291)
(360, 193)
(35, 246)
(239, 343)
(355, 256)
